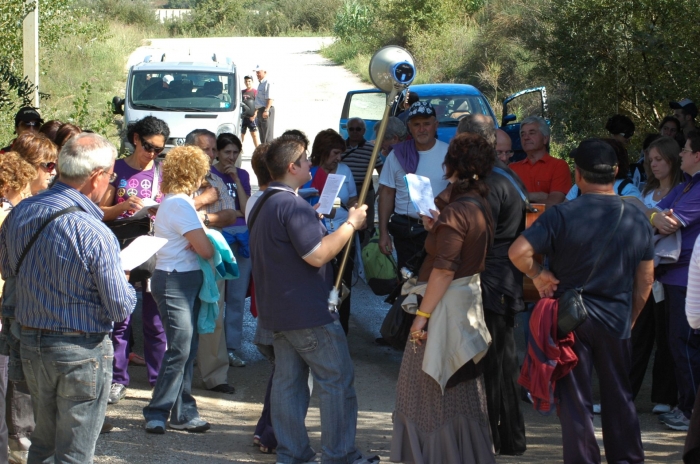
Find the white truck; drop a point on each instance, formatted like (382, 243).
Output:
(187, 92)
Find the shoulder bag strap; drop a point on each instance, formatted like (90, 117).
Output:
(605, 247)
(481, 207)
(622, 186)
(38, 232)
(259, 204)
(156, 181)
(523, 196)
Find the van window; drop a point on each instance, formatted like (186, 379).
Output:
(178, 91)
(367, 106)
(450, 108)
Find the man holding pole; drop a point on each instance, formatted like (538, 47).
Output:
(291, 252)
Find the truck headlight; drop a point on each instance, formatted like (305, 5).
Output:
(227, 128)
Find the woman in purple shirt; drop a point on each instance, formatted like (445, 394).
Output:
(238, 182)
(138, 178)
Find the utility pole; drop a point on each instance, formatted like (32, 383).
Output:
(30, 29)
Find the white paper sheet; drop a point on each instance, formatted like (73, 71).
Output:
(421, 193)
(334, 183)
(147, 204)
(140, 250)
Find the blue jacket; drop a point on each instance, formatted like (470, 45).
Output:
(222, 266)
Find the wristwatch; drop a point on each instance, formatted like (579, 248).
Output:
(206, 220)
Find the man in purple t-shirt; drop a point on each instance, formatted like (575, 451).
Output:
(680, 210)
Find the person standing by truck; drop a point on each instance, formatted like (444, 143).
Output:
(248, 121)
(263, 106)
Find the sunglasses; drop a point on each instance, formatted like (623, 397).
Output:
(150, 148)
(48, 166)
(29, 123)
(354, 129)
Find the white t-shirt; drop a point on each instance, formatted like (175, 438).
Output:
(347, 191)
(649, 199)
(628, 191)
(176, 216)
(251, 201)
(429, 165)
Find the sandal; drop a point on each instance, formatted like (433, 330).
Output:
(256, 440)
(265, 450)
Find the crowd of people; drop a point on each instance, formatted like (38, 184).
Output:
(622, 237)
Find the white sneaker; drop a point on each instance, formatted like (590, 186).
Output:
(661, 409)
(596, 408)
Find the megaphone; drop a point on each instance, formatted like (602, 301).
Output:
(392, 65)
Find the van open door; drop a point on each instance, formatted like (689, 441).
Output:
(366, 104)
(518, 106)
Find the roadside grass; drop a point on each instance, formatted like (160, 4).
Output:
(83, 75)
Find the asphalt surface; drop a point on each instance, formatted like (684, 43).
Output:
(311, 92)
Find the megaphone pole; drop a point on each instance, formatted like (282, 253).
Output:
(336, 297)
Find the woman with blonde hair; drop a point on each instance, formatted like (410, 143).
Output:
(662, 164)
(15, 176)
(175, 284)
(39, 151)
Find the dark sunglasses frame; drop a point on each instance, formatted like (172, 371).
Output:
(354, 129)
(50, 166)
(149, 147)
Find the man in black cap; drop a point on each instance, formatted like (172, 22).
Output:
(573, 235)
(685, 111)
(422, 155)
(26, 119)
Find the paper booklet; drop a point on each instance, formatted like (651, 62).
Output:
(330, 191)
(421, 193)
(143, 212)
(140, 250)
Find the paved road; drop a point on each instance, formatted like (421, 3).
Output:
(312, 92)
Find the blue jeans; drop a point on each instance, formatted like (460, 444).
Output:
(177, 295)
(69, 379)
(324, 350)
(235, 299)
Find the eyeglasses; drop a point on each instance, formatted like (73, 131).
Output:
(29, 123)
(687, 150)
(48, 166)
(112, 176)
(354, 129)
(150, 148)
(505, 152)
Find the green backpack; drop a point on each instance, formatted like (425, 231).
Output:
(380, 270)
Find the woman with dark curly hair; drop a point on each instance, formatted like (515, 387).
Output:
(621, 128)
(137, 178)
(326, 152)
(440, 414)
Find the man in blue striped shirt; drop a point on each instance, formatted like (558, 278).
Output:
(69, 290)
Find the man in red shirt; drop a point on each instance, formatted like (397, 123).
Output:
(547, 179)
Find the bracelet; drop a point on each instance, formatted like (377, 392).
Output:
(651, 218)
(536, 275)
(351, 225)
(422, 314)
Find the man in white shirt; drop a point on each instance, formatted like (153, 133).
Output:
(263, 106)
(422, 155)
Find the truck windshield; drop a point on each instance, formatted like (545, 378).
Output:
(178, 91)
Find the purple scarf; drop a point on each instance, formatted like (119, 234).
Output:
(407, 155)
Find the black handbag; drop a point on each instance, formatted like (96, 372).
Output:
(572, 311)
(397, 325)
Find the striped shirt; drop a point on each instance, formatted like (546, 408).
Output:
(71, 279)
(692, 299)
(225, 200)
(358, 159)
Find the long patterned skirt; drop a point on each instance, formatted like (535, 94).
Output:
(432, 428)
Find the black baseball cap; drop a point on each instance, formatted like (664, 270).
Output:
(594, 155)
(27, 114)
(687, 105)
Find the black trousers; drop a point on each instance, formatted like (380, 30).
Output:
(266, 127)
(611, 357)
(500, 367)
(407, 245)
(652, 327)
(685, 347)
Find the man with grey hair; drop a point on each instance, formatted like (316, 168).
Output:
(69, 289)
(263, 106)
(395, 132)
(547, 179)
(357, 155)
(217, 210)
(502, 296)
